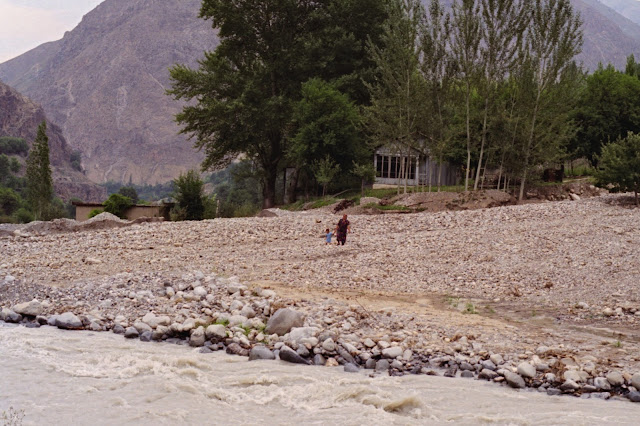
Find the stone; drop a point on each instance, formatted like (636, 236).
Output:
(569, 385)
(298, 334)
(615, 378)
(370, 364)
(345, 355)
(329, 345)
(303, 351)
(30, 309)
(216, 332)
(488, 364)
(237, 320)
(160, 332)
(635, 381)
(288, 355)
(514, 380)
(8, 315)
(146, 336)
(205, 350)
(634, 396)
(369, 343)
(607, 312)
(318, 359)
(467, 374)
(573, 375)
(396, 364)
(487, 374)
(526, 370)
(261, 352)
(131, 333)
(197, 337)
(42, 320)
(141, 327)
(283, 321)
(200, 291)
(331, 362)
(118, 329)
(496, 359)
(351, 368)
(465, 366)
(602, 384)
(236, 349)
(382, 365)
(69, 321)
(554, 392)
(392, 352)
(247, 311)
(574, 197)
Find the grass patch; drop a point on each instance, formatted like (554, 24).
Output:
(388, 208)
(224, 322)
(12, 417)
(323, 203)
(452, 301)
(469, 309)
(489, 309)
(618, 344)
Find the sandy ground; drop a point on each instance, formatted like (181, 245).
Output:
(563, 275)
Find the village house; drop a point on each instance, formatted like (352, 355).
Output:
(159, 209)
(390, 165)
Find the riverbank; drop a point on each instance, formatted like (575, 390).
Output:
(539, 295)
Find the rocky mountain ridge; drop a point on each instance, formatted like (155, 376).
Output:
(104, 82)
(20, 117)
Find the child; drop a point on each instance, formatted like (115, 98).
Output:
(329, 234)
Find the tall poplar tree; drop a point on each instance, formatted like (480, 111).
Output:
(38, 174)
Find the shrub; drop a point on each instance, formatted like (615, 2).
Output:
(95, 212)
(22, 215)
(13, 146)
(189, 195)
(129, 191)
(76, 160)
(117, 204)
(9, 201)
(619, 165)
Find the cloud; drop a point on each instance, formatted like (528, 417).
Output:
(28, 24)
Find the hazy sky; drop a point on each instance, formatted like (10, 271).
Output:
(25, 24)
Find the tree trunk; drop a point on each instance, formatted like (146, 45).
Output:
(269, 190)
(291, 191)
(483, 139)
(466, 179)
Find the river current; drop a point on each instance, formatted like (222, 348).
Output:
(60, 377)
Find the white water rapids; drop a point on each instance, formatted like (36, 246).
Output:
(81, 378)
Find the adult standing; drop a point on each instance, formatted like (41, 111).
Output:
(344, 227)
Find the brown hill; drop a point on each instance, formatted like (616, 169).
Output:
(20, 117)
(630, 9)
(104, 84)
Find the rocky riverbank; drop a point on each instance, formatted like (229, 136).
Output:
(531, 296)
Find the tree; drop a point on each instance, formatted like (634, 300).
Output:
(394, 116)
(117, 204)
(327, 125)
(619, 165)
(608, 109)
(325, 170)
(366, 172)
(38, 174)
(466, 39)
(189, 195)
(129, 191)
(246, 90)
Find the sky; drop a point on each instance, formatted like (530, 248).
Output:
(25, 24)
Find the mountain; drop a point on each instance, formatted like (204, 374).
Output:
(630, 9)
(104, 83)
(20, 117)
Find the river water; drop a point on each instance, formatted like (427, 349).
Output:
(80, 378)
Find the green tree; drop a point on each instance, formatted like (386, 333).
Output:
(189, 196)
(619, 165)
(9, 201)
(38, 174)
(366, 172)
(247, 89)
(325, 170)
(129, 191)
(117, 204)
(608, 109)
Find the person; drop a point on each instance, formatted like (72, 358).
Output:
(344, 227)
(328, 234)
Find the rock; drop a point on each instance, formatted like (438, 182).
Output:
(200, 291)
(615, 378)
(42, 320)
(160, 332)
(283, 321)
(237, 320)
(131, 333)
(154, 321)
(236, 349)
(573, 375)
(467, 374)
(30, 309)
(303, 351)
(8, 315)
(382, 365)
(634, 396)
(288, 355)
(369, 343)
(396, 364)
(142, 327)
(392, 352)
(318, 359)
(345, 355)
(146, 336)
(487, 374)
(370, 364)
(118, 329)
(205, 350)
(329, 345)
(216, 332)
(635, 381)
(496, 359)
(514, 380)
(574, 197)
(298, 334)
(197, 337)
(607, 312)
(351, 368)
(526, 370)
(569, 385)
(248, 312)
(488, 364)
(602, 384)
(261, 352)
(331, 362)
(68, 321)
(554, 392)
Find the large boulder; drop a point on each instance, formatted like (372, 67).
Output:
(283, 321)
(216, 332)
(68, 321)
(261, 352)
(30, 309)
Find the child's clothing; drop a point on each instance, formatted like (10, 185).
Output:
(329, 235)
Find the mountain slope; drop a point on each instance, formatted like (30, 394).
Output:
(20, 117)
(104, 83)
(630, 9)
